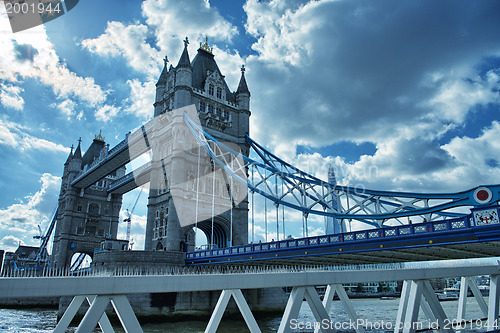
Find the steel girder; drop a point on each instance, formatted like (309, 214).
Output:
(284, 184)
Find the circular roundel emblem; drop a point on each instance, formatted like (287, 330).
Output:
(482, 195)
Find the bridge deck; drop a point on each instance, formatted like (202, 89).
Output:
(446, 239)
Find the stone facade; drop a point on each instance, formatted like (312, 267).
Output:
(224, 115)
(87, 216)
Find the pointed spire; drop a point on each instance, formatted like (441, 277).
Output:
(184, 60)
(78, 151)
(163, 75)
(242, 87)
(70, 156)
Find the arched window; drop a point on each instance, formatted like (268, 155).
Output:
(219, 92)
(211, 89)
(202, 106)
(93, 209)
(210, 108)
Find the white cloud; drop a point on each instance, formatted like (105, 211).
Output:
(172, 20)
(19, 221)
(10, 96)
(67, 108)
(16, 136)
(128, 41)
(31, 55)
(106, 113)
(456, 97)
(479, 158)
(142, 96)
(10, 242)
(283, 29)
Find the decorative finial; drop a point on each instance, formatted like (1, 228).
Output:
(99, 137)
(206, 47)
(79, 140)
(165, 61)
(71, 149)
(186, 42)
(242, 68)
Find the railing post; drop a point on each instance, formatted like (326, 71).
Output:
(493, 302)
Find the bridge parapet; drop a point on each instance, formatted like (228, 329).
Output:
(113, 286)
(428, 231)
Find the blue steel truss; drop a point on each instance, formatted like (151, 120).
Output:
(284, 184)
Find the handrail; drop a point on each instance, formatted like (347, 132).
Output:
(392, 232)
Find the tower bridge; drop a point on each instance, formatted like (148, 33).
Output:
(202, 162)
(206, 174)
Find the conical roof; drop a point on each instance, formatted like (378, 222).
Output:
(242, 86)
(163, 75)
(184, 60)
(78, 151)
(70, 156)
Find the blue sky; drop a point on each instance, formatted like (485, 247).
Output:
(409, 89)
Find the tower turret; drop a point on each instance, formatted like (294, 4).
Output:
(161, 88)
(75, 163)
(242, 93)
(183, 79)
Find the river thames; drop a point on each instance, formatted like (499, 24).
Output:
(378, 315)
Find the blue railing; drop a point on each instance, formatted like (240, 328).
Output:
(395, 232)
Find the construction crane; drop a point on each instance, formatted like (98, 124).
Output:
(44, 240)
(128, 219)
(40, 234)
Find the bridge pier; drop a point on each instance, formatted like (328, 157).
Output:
(293, 307)
(418, 294)
(467, 282)
(242, 304)
(96, 315)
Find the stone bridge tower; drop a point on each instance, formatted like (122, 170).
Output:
(223, 114)
(87, 216)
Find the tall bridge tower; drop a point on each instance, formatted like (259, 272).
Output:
(87, 216)
(223, 114)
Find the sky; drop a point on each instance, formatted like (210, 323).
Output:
(397, 95)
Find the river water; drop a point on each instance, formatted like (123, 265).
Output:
(380, 315)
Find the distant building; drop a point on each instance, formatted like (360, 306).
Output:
(372, 287)
(24, 257)
(334, 226)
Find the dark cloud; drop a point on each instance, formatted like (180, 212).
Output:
(369, 67)
(24, 52)
(419, 157)
(18, 220)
